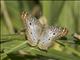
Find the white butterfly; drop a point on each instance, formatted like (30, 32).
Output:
(39, 36)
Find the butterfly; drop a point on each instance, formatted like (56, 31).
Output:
(40, 36)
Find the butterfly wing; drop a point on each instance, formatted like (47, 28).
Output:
(49, 34)
(33, 29)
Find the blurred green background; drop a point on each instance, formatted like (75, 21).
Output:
(61, 13)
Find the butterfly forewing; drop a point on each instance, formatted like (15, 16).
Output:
(33, 29)
(49, 35)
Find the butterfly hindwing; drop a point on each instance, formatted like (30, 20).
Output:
(49, 35)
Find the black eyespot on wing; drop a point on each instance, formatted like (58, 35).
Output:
(53, 33)
(49, 39)
(30, 23)
(31, 32)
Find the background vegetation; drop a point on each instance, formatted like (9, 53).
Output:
(61, 13)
